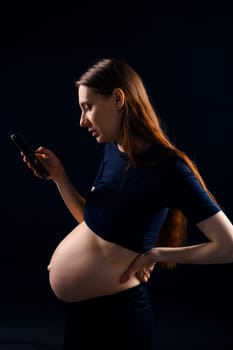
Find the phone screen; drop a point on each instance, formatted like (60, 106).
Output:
(28, 151)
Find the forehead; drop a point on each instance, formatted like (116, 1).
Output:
(85, 93)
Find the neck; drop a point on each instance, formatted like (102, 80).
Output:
(139, 145)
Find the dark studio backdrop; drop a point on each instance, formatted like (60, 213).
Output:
(184, 54)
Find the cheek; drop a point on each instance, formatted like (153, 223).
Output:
(108, 119)
(117, 122)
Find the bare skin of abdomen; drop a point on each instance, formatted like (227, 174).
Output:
(85, 266)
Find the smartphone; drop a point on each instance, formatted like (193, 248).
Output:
(28, 151)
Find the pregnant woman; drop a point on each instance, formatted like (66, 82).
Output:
(133, 217)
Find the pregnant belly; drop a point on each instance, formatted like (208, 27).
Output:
(85, 266)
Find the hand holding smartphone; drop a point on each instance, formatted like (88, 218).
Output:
(28, 151)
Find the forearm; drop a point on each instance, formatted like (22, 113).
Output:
(205, 253)
(71, 197)
(217, 250)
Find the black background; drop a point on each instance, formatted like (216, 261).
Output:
(184, 53)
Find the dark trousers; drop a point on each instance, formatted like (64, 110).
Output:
(121, 320)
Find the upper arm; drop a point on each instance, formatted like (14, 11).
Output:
(188, 195)
(217, 228)
(185, 192)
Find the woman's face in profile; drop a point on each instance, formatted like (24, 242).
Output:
(100, 115)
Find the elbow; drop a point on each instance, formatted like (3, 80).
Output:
(230, 255)
(227, 253)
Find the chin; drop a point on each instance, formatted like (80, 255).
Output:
(101, 139)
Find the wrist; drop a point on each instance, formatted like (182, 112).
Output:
(154, 255)
(60, 176)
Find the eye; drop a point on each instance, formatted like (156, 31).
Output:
(87, 107)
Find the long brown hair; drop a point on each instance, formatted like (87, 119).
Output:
(140, 120)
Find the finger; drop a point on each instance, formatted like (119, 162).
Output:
(146, 274)
(41, 155)
(142, 277)
(127, 274)
(124, 278)
(145, 279)
(151, 267)
(40, 149)
(132, 269)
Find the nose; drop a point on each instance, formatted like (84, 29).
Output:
(83, 120)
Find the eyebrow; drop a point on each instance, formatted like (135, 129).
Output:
(83, 103)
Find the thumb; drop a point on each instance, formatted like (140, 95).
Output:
(125, 277)
(131, 270)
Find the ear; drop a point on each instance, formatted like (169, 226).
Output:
(119, 97)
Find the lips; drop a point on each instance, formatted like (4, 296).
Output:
(93, 132)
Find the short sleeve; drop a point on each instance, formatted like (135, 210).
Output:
(183, 191)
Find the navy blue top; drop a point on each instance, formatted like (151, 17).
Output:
(129, 204)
